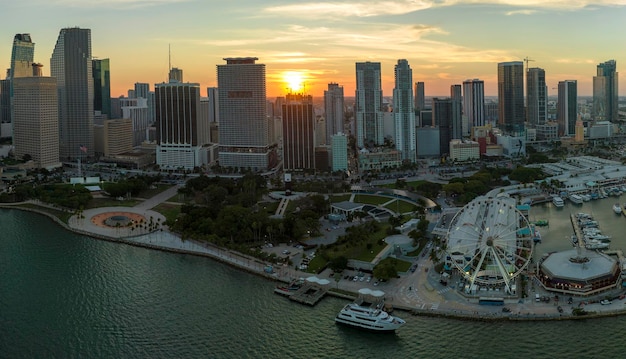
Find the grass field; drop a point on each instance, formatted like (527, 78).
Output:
(110, 202)
(170, 211)
(401, 206)
(369, 199)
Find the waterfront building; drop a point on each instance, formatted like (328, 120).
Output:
(457, 112)
(567, 107)
(71, 65)
(339, 152)
(36, 120)
(298, 133)
(473, 104)
(605, 92)
(369, 104)
(403, 111)
(511, 97)
(180, 138)
(537, 96)
(420, 98)
(101, 71)
(333, 111)
(442, 119)
(244, 126)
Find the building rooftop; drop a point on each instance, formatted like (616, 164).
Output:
(566, 266)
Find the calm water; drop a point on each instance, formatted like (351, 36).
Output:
(69, 296)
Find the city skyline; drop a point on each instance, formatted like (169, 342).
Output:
(319, 42)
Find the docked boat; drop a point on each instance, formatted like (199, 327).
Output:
(576, 199)
(617, 208)
(541, 223)
(369, 317)
(586, 197)
(596, 245)
(558, 202)
(598, 237)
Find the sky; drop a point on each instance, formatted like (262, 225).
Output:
(317, 42)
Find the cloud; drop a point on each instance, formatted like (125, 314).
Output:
(115, 4)
(575, 61)
(520, 12)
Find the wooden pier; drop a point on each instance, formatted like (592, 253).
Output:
(308, 294)
(577, 231)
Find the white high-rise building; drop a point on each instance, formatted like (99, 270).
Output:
(334, 111)
(244, 126)
(369, 104)
(473, 104)
(137, 111)
(404, 112)
(36, 120)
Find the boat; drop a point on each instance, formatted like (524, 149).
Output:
(594, 195)
(290, 288)
(576, 199)
(369, 317)
(617, 208)
(598, 237)
(536, 236)
(586, 197)
(541, 223)
(558, 202)
(596, 245)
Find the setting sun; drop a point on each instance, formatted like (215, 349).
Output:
(294, 80)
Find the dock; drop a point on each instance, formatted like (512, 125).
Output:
(577, 232)
(308, 294)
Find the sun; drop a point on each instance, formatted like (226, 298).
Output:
(294, 81)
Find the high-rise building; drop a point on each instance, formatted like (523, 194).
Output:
(403, 111)
(137, 111)
(71, 65)
(36, 120)
(442, 119)
(457, 112)
(339, 149)
(511, 97)
(567, 108)
(369, 104)
(474, 103)
(244, 126)
(101, 70)
(333, 111)
(22, 55)
(5, 108)
(536, 96)
(420, 99)
(180, 135)
(605, 92)
(176, 74)
(298, 133)
(142, 90)
(214, 105)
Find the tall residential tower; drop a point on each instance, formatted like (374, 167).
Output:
(403, 111)
(334, 111)
(537, 97)
(605, 92)
(369, 104)
(511, 97)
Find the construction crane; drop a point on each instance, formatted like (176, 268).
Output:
(527, 60)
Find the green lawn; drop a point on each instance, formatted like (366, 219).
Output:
(180, 198)
(370, 199)
(340, 198)
(149, 193)
(170, 211)
(401, 206)
(110, 202)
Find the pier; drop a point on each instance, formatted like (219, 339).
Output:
(577, 231)
(308, 294)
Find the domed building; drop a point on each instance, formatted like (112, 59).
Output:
(579, 272)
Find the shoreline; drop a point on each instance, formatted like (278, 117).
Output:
(255, 266)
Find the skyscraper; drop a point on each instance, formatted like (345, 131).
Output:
(22, 55)
(511, 97)
(36, 120)
(176, 74)
(142, 90)
(333, 111)
(403, 111)
(369, 103)
(179, 134)
(102, 86)
(244, 126)
(474, 103)
(457, 100)
(567, 108)
(420, 99)
(214, 106)
(442, 118)
(605, 92)
(71, 65)
(298, 129)
(537, 97)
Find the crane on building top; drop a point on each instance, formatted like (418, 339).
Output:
(527, 60)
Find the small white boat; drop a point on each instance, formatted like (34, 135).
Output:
(617, 208)
(558, 202)
(576, 199)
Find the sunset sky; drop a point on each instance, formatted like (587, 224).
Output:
(445, 41)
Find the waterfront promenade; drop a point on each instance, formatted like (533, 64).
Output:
(418, 292)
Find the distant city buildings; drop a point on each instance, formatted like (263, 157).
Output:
(71, 65)
(511, 97)
(605, 92)
(457, 110)
(403, 112)
(474, 103)
(536, 96)
(333, 111)
(567, 107)
(298, 133)
(420, 99)
(442, 118)
(369, 104)
(101, 70)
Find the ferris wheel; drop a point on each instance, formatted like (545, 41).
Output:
(490, 242)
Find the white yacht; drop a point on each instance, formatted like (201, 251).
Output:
(617, 208)
(369, 317)
(576, 199)
(558, 201)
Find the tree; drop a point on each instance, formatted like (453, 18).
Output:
(386, 269)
